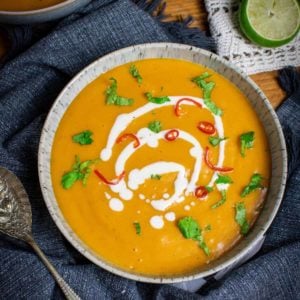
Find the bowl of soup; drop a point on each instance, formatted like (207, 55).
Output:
(162, 163)
(36, 11)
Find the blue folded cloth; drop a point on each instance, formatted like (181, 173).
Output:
(29, 84)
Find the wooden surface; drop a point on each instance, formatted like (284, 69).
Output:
(179, 8)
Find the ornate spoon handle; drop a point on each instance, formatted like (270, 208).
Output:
(67, 290)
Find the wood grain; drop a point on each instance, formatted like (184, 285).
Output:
(177, 8)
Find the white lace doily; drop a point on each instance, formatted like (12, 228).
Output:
(231, 44)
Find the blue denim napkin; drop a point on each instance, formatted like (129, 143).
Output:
(29, 84)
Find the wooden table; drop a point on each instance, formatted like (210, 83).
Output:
(267, 81)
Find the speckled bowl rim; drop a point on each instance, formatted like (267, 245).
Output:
(48, 9)
(246, 244)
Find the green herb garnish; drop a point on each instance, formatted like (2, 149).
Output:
(155, 176)
(240, 217)
(191, 230)
(157, 100)
(215, 141)
(137, 227)
(83, 138)
(247, 141)
(220, 202)
(223, 179)
(155, 126)
(80, 171)
(209, 188)
(207, 227)
(254, 184)
(207, 88)
(136, 74)
(112, 97)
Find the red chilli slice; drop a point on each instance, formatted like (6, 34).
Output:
(201, 192)
(125, 136)
(206, 127)
(177, 105)
(172, 135)
(110, 182)
(211, 166)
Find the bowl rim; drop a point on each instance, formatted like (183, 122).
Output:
(47, 9)
(88, 253)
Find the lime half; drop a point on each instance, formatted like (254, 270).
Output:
(270, 23)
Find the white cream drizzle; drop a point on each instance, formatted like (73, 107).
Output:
(170, 216)
(116, 204)
(157, 222)
(136, 177)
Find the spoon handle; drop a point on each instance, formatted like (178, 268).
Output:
(67, 290)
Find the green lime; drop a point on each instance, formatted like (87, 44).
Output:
(270, 23)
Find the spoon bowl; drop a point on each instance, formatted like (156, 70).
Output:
(16, 220)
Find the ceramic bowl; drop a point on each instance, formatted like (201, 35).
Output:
(42, 15)
(256, 98)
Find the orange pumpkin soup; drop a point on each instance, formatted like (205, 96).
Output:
(160, 166)
(23, 5)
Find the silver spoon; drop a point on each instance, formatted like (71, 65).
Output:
(16, 219)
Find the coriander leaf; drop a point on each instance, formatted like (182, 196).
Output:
(121, 101)
(215, 141)
(189, 228)
(223, 179)
(68, 179)
(207, 227)
(240, 217)
(155, 176)
(209, 188)
(83, 138)
(138, 228)
(254, 184)
(204, 75)
(220, 202)
(112, 97)
(155, 126)
(213, 107)
(157, 100)
(80, 171)
(247, 141)
(207, 88)
(203, 246)
(135, 73)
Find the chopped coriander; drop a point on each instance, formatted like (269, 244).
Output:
(80, 171)
(223, 179)
(112, 97)
(207, 88)
(190, 229)
(213, 107)
(240, 217)
(137, 227)
(83, 138)
(157, 100)
(215, 141)
(203, 246)
(155, 126)
(254, 184)
(220, 202)
(207, 227)
(155, 176)
(135, 73)
(69, 178)
(209, 188)
(247, 141)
